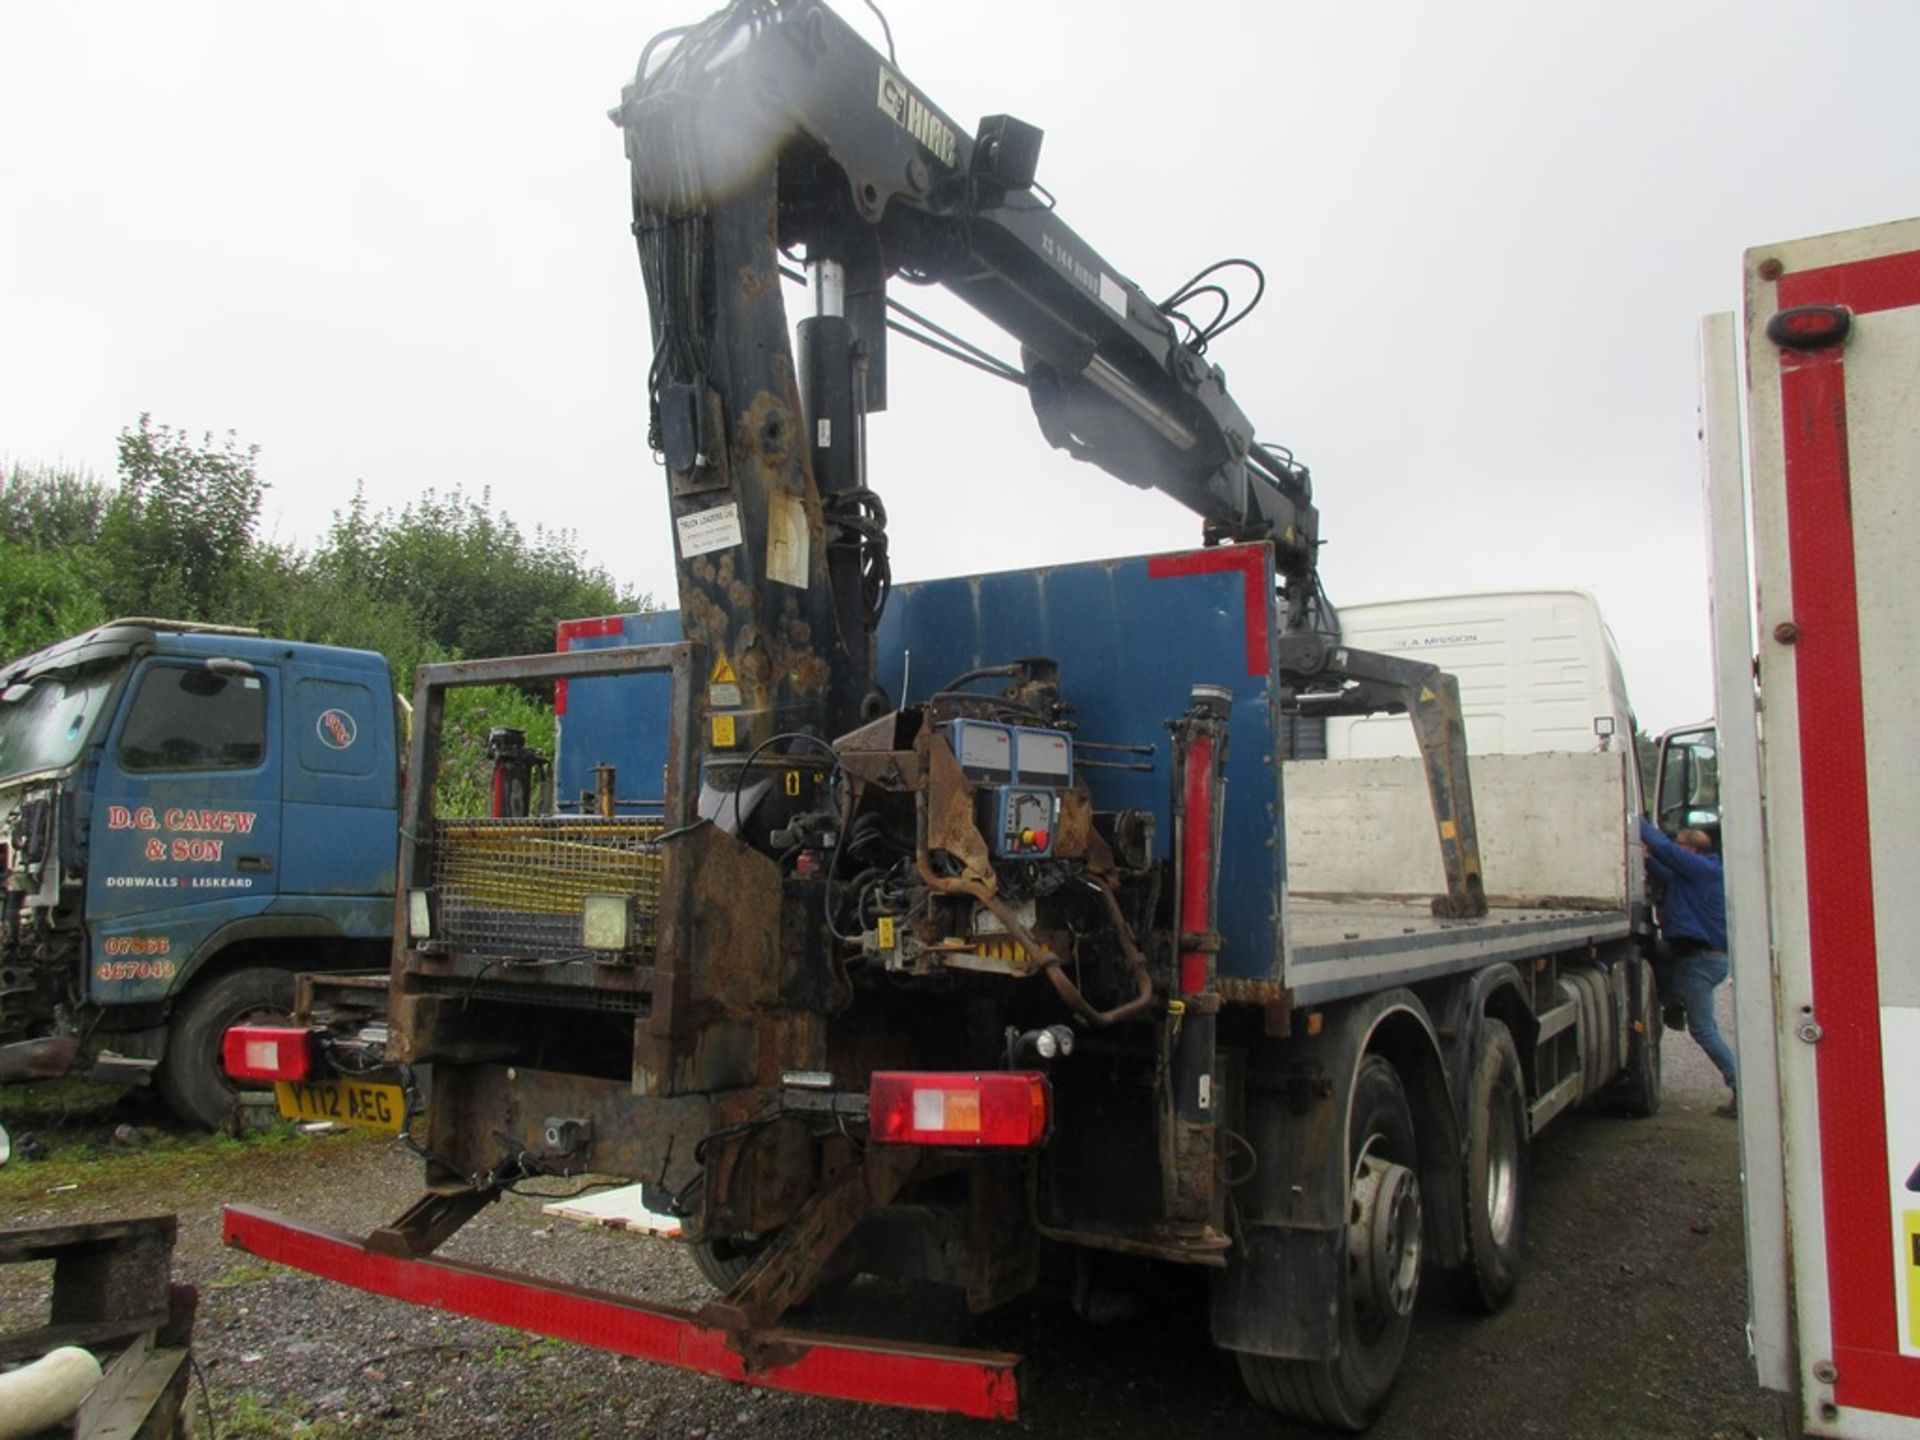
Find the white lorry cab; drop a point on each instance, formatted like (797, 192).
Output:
(1538, 671)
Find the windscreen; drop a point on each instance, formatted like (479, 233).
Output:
(45, 723)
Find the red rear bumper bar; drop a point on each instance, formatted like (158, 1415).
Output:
(982, 1384)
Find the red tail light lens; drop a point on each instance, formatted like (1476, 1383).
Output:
(267, 1052)
(1007, 1110)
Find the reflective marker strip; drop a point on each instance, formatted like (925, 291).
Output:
(1845, 963)
(570, 630)
(1251, 562)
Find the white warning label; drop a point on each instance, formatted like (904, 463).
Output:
(707, 530)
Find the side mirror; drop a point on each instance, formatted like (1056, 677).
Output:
(1687, 793)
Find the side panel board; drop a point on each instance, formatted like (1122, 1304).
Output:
(1835, 450)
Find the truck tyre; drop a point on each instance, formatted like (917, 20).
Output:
(1637, 1092)
(1381, 1279)
(1497, 1128)
(721, 1263)
(192, 1080)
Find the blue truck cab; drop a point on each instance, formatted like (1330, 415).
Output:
(189, 816)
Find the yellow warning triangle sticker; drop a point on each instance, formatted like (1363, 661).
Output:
(723, 673)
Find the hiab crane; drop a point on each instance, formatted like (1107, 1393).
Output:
(1035, 963)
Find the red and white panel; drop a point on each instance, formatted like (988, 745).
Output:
(1836, 492)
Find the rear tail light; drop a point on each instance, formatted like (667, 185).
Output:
(268, 1052)
(1009, 1109)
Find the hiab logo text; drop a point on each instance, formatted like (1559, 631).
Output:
(913, 114)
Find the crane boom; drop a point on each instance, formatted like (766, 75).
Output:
(774, 128)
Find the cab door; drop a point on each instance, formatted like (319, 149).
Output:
(341, 785)
(184, 832)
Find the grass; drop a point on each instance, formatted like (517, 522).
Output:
(189, 1164)
(56, 1104)
(245, 1416)
(246, 1271)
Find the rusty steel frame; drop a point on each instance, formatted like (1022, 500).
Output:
(977, 1383)
(792, 1264)
(685, 662)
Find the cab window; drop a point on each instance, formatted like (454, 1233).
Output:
(189, 718)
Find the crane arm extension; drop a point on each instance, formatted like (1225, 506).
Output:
(1345, 681)
(777, 114)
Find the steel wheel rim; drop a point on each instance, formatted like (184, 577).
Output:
(1502, 1175)
(1384, 1244)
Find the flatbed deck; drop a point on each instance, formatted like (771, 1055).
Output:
(1348, 945)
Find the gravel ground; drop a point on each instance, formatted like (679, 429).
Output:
(1630, 1323)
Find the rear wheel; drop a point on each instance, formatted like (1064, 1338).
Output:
(192, 1080)
(721, 1263)
(1380, 1280)
(1497, 1128)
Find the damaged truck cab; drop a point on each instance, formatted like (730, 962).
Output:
(189, 815)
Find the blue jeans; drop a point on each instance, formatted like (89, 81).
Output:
(1695, 978)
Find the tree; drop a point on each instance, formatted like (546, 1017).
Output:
(51, 507)
(282, 592)
(46, 596)
(478, 586)
(182, 522)
(444, 578)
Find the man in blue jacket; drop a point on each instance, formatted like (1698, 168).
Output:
(1693, 917)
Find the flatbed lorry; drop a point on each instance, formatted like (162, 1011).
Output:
(974, 930)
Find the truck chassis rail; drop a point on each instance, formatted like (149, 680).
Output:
(978, 1383)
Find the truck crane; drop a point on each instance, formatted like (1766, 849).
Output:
(1029, 971)
(764, 131)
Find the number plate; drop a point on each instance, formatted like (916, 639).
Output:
(346, 1102)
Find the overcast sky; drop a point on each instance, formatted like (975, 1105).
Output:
(389, 244)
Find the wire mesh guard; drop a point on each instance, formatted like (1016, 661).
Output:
(514, 889)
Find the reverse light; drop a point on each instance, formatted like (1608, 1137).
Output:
(267, 1052)
(1007, 1109)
